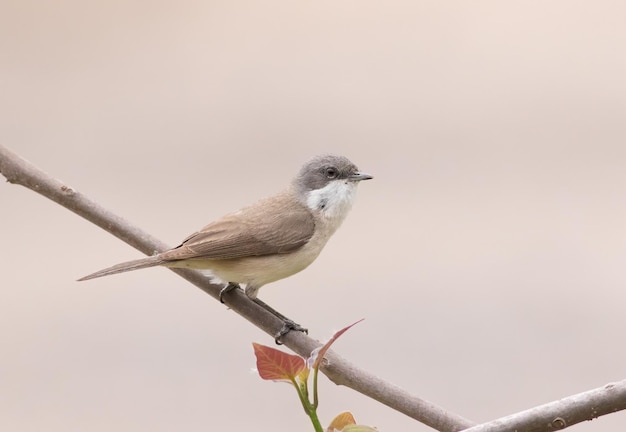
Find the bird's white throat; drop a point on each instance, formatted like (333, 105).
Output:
(333, 201)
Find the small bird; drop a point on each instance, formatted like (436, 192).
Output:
(271, 239)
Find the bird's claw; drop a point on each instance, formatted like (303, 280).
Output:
(231, 286)
(288, 325)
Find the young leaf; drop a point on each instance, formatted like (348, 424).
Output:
(359, 428)
(276, 365)
(341, 421)
(318, 354)
(303, 376)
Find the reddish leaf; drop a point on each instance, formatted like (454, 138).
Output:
(318, 354)
(276, 365)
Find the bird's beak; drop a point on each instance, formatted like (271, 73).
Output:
(358, 176)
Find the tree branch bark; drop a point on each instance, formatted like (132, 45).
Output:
(339, 370)
(562, 413)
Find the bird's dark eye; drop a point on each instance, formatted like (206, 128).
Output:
(331, 172)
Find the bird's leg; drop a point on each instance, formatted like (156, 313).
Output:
(231, 286)
(288, 325)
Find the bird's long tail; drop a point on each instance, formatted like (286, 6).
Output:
(126, 266)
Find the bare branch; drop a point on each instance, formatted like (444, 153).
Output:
(562, 413)
(338, 370)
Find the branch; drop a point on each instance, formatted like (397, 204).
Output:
(562, 413)
(339, 370)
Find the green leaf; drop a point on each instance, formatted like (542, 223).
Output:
(359, 428)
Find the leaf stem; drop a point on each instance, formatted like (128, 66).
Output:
(309, 408)
(315, 398)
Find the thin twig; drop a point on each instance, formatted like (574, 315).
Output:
(338, 370)
(562, 413)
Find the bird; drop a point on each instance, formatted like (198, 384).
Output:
(274, 238)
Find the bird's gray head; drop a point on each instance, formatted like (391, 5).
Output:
(328, 183)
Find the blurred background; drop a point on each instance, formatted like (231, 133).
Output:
(487, 256)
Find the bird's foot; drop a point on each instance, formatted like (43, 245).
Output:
(231, 286)
(288, 325)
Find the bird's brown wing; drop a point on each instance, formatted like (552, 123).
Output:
(272, 226)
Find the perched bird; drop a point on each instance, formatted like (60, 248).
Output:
(271, 239)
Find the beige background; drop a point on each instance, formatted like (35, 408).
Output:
(487, 255)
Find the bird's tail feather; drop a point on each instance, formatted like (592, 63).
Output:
(126, 266)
